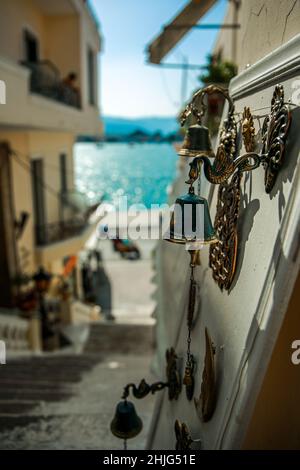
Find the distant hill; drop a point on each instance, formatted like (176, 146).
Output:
(124, 126)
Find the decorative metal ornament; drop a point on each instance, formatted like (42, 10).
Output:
(173, 376)
(223, 254)
(205, 405)
(248, 130)
(274, 134)
(188, 379)
(183, 437)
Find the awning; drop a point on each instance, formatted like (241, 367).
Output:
(172, 33)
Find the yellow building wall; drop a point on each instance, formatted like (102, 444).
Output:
(30, 145)
(89, 39)
(63, 44)
(15, 16)
(22, 194)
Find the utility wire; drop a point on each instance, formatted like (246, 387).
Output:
(167, 90)
(46, 164)
(28, 168)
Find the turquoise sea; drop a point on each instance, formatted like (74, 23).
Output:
(142, 172)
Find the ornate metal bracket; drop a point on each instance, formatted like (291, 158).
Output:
(223, 254)
(274, 134)
(183, 437)
(205, 405)
(225, 163)
(143, 389)
(173, 381)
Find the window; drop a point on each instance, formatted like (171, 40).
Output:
(63, 173)
(91, 76)
(31, 47)
(37, 170)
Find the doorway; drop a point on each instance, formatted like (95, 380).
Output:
(8, 249)
(37, 171)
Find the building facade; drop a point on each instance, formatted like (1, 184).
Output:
(49, 65)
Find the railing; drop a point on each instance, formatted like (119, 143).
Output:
(75, 213)
(45, 80)
(59, 231)
(14, 331)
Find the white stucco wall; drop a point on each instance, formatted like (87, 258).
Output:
(245, 322)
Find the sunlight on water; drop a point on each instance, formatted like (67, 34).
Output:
(142, 172)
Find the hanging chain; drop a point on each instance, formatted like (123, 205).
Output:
(199, 185)
(190, 317)
(188, 379)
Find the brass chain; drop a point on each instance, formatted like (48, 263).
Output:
(189, 340)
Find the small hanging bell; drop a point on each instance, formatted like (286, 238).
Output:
(196, 142)
(190, 221)
(126, 423)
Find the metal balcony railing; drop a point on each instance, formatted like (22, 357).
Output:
(75, 214)
(45, 80)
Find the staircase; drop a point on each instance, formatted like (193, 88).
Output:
(124, 338)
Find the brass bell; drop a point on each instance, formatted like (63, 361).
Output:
(190, 221)
(126, 423)
(196, 142)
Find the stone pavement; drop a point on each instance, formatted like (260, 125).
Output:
(66, 401)
(124, 287)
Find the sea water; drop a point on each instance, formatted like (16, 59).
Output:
(142, 172)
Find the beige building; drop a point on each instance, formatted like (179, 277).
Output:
(44, 222)
(255, 324)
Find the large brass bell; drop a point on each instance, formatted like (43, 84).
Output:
(190, 221)
(126, 423)
(196, 142)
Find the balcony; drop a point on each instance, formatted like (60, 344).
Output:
(45, 80)
(75, 213)
(36, 111)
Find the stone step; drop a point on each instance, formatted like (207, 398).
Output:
(123, 338)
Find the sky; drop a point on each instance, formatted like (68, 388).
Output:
(128, 86)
